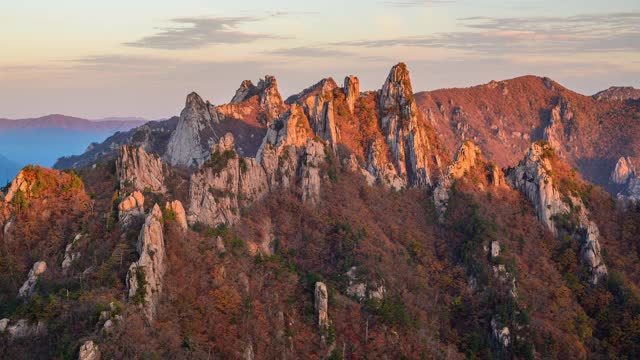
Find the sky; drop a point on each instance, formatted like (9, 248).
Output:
(96, 59)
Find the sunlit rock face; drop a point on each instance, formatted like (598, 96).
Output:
(532, 176)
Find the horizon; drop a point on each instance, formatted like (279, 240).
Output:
(139, 60)
(125, 118)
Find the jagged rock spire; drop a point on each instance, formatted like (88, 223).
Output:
(399, 121)
(190, 143)
(351, 91)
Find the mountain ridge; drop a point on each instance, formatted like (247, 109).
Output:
(335, 224)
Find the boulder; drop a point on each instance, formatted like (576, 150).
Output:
(89, 351)
(130, 208)
(178, 211)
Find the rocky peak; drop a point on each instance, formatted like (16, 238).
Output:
(318, 104)
(139, 170)
(245, 91)
(407, 137)
(190, 143)
(351, 91)
(397, 93)
(270, 100)
(144, 277)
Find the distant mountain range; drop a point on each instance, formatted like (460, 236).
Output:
(57, 121)
(42, 140)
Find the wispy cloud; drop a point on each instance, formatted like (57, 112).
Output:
(414, 3)
(309, 51)
(196, 32)
(496, 35)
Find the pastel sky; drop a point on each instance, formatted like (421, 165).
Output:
(99, 59)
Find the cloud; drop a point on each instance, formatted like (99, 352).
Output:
(309, 51)
(509, 35)
(195, 32)
(414, 3)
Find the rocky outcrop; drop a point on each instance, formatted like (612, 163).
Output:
(533, 178)
(351, 91)
(22, 328)
(29, 286)
(190, 143)
(224, 184)
(314, 156)
(318, 104)
(404, 132)
(89, 351)
(131, 208)
(144, 277)
(362, 290)
(623, 171)
(282, 147)
(269, 98)
(555, 133)
(380, 168)
(176, 208)
(626, 179)
(69, 255)
(618, 93)
(501, 334)
(321, 297)
(139, 170)
(467, 157)
(245, 91)
(19, 184)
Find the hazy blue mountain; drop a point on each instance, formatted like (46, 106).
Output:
(43, 140)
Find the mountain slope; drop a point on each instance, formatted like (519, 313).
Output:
(504, 117)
